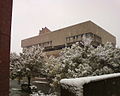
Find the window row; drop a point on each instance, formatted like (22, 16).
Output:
(79, 37)
(46, 44)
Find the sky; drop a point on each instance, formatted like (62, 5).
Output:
(30, 16)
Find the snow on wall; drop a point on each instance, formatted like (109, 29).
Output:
(75, 85)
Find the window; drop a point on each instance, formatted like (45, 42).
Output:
(78, 38)
(46, 44)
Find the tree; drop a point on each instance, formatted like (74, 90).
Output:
(74, 62)
(105, 59)
(28, 64)
(77, 61)
(15, 67)
(33, 59)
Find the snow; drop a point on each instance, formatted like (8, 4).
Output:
(87, 40)
(33, 87)
(16, 89)
(74, 61)
(39, 93)
(40, 82)
(76, 84)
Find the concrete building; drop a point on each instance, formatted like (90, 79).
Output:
(54, 41)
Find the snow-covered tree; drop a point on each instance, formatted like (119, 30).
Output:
(28, 64)
(82, 61)
(15, 67)
(105, 59)
(74, 62)
(86, 40)
(14, 63)
(51, 67)
(33, 60)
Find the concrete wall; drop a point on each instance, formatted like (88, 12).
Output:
(5, 28)
(104, 85)
(107, 87)
(105, 36)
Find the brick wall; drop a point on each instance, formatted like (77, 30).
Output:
(5, 28)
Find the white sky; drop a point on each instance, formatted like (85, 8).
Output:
(29, 16)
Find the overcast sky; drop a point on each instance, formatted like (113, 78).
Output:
(30, 16)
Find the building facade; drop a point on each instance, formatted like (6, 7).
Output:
(54, 41)
(5, 28)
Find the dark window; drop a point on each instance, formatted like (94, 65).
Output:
(73, 37)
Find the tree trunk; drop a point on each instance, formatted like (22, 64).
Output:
(29, 80)
(19, 80)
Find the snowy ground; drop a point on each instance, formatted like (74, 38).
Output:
(15, 89)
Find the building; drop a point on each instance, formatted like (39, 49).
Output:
(5, 28)
(54, 41)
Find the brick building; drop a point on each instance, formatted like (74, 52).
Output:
(5, 28)
(54, 41)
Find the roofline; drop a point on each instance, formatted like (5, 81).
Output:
(69, 27)
(58, 29)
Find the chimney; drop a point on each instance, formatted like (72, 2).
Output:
(44, 30)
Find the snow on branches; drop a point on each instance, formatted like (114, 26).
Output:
(74, 62)
(84, 61)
